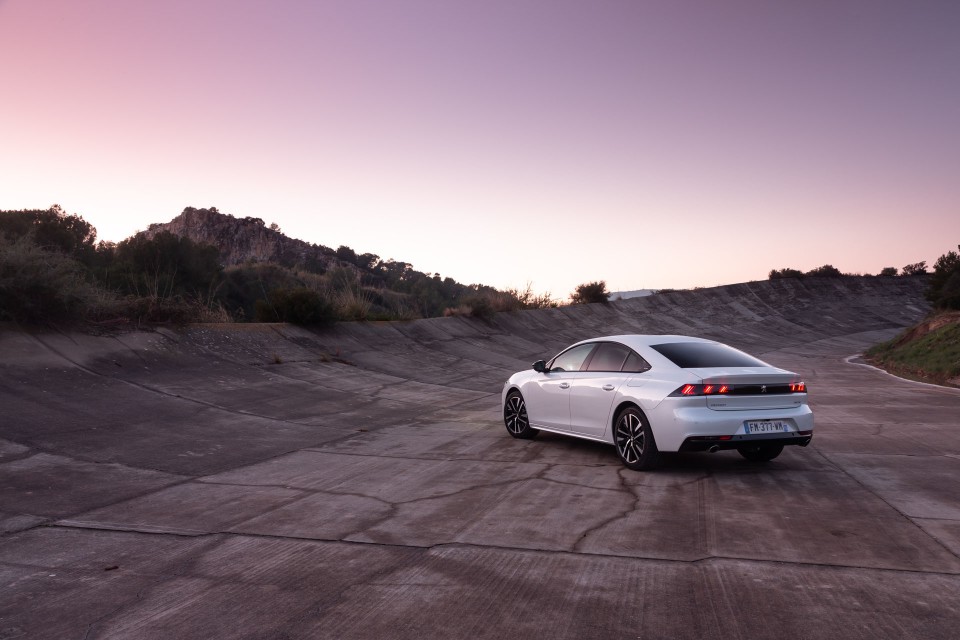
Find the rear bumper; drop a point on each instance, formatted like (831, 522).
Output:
(685, 426)
(714, 443)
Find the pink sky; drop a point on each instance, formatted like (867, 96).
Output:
(649, 144)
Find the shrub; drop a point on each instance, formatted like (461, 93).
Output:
(353, 304)
(341, 278)
(461, 311)
(297, 306)
(480, 306)
(171, 310)
(527, 299)
(243, 285)
(786, 272)
(888, 271)
(45, 286)
(590, 292)
(475, 306)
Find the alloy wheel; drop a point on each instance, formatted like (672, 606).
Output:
(515, 414)
(630, 437)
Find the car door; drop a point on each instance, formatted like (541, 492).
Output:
(594, 391)
(548, 395)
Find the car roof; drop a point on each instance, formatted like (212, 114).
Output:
(645, 340)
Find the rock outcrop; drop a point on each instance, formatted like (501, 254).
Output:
(242, 240)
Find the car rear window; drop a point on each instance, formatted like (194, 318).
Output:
(697, 355)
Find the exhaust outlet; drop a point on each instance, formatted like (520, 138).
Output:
(713, 448)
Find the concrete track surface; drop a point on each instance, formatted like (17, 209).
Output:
(272, 482)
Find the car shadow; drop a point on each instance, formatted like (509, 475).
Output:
(569, 450)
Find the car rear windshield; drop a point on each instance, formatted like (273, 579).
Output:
(700, 355)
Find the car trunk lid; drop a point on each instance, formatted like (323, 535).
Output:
(751, 388)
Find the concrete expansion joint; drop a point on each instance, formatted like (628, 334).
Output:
(306, 491)
(29, 453)
(904, 516)
(83, 525)
(168, 394)
(465, 490)
(42, 523)
(126, 498)
(701, 560)
(121, 605)
(324, 449)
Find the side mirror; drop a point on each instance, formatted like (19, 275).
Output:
(540, 366)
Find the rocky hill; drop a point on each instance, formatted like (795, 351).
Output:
(387, 289)
(243, 240)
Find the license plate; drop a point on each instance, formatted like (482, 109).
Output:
(766, 426)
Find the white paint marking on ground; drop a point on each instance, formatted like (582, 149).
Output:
(849, 360)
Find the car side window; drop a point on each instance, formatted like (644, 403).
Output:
(572, 359)
(635, 364)
(609, 356)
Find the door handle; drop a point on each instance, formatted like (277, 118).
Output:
(608, 387)
(564, 385)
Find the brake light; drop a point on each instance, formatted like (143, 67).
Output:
(703, 390)
(798, 387)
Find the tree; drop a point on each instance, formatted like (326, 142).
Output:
(166, 265)
(347, 254)
(590, 292)
(950, 293)
(941, 295)
(915, 269)
(888, 271)
(368, 261)
(826, 271)
(52, 229)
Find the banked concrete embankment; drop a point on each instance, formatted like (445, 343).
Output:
(266, 389)
(475, 354)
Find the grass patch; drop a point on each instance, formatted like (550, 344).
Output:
(929, 351)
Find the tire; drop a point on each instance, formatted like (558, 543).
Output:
(761, 452)
(634, 440)
(515, 417)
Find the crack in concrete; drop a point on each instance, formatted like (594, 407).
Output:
(578, 545)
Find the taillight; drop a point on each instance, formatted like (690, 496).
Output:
(798, 387)
(703, 390)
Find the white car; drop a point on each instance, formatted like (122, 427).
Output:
(646, 394)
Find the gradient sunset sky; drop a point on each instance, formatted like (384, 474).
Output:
(650, 144)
